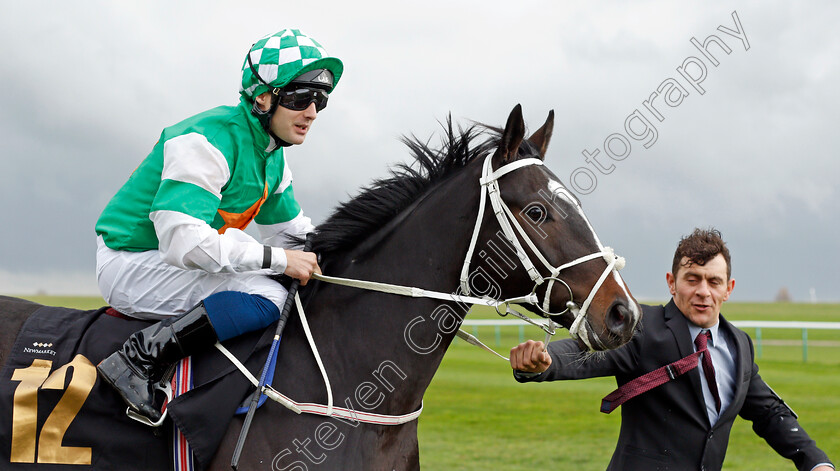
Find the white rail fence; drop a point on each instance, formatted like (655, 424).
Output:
(759, 326)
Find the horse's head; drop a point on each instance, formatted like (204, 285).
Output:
(543, 243)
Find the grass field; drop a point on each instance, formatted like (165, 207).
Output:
(477, 417)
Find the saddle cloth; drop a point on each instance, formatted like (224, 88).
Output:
(54, 410)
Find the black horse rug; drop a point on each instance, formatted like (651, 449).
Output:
(57, 412)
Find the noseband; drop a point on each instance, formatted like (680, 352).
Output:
(490, 188)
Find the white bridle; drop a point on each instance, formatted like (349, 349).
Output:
(506, 219)
(490, 187)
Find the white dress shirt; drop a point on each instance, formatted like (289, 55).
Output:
(723, 359)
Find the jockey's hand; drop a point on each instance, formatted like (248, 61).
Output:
(530, 356)
(301, 265)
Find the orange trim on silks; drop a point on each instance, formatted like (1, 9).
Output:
(241, 220)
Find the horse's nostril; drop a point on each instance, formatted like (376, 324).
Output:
(617, 317)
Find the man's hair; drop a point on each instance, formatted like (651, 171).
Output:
(698, 248)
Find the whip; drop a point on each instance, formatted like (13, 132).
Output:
(281, 324)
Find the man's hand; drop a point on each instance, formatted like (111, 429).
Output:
(301, 265)
(530, 357)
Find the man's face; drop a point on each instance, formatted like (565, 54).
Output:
(289, 125)
(700, 290)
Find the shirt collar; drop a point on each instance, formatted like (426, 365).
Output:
(272, 144)
(715, 341)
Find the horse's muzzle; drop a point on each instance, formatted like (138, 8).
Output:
(620, 321)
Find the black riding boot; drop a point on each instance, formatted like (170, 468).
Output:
(147, 357)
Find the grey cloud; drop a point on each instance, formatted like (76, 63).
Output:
(83, 100)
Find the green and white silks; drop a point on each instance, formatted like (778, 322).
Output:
(207, 175)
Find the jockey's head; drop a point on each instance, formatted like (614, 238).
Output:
(293, 71)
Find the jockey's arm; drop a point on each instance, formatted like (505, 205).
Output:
(189, 242)
(192, 244)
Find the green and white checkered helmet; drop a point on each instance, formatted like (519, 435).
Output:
(282, 56)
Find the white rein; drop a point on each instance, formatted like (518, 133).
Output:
(507, 221)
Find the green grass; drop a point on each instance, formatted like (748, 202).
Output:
(477, 417)
(77, 302)
(776, 344)
(740, 311)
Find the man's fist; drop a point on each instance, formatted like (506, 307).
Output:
(530, 357)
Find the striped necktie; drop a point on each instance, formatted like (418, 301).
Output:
(664, 374)
(701, 343)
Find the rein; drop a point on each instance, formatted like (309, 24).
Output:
(490, 186)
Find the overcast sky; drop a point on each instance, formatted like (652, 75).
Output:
(88, 86)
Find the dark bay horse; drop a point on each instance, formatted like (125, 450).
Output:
(435, 225)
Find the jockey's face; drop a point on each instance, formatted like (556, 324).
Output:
(289, 125)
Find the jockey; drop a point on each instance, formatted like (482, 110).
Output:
(170, 242)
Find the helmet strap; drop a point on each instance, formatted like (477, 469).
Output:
(264, 117)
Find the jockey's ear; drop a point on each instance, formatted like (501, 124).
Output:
(511, 138)
(542, 136)
(263, 100)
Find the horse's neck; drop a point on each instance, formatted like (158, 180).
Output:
(425, 245)
(400, 341)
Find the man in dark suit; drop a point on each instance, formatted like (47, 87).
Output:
(684, 423)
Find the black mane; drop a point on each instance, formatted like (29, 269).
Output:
(358, 218)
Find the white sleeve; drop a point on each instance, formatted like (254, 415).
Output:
(191, 244)
(278, 235)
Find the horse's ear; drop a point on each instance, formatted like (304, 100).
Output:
(511, 138)
(541, 138)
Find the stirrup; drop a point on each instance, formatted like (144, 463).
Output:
(165, 388)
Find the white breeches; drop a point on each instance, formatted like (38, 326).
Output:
(141, 285)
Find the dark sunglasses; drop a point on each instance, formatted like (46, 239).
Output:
(298, 99)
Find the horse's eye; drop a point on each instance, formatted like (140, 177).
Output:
(535, 213)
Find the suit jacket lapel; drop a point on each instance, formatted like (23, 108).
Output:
(677, 323)
(740, 353)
